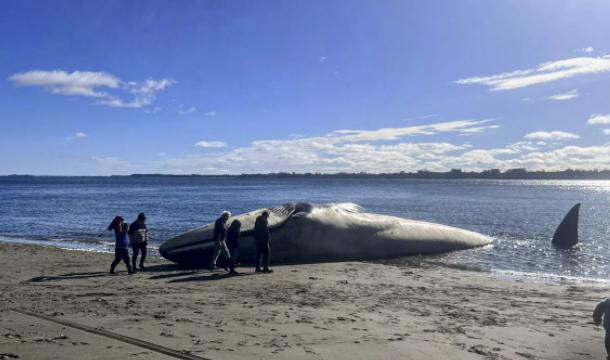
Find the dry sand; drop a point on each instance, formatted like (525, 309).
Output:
(325, 311)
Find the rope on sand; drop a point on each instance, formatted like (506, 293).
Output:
(126, 339)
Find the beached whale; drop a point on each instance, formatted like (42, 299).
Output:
(307, 233)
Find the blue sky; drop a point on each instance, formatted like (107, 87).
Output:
(216, 87)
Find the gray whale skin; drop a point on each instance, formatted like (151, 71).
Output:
(306, 233)
(566, 235)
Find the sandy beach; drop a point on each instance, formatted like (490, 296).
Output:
(322, 311)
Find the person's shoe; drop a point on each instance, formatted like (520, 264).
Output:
(142, 268)
(233, 273)
(267, 271)
(134, 270)
(112, 272)
(129, 271)
(258, 270)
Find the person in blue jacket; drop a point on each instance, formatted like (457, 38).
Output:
(121, 243)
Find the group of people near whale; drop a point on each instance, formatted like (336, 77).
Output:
(226, 242)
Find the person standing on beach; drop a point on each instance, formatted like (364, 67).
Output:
(120, 244)
(233, 244)
(138, 235)
(261, 240)
(603, 308)
(220, 235)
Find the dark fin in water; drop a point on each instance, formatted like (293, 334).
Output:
(566, 235)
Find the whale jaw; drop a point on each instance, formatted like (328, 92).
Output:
(566, 235)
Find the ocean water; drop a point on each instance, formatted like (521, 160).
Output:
(521, 216)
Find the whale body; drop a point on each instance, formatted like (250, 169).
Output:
(566, 235)
(307, 233)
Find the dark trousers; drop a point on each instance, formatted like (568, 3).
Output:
(263, 253)
(607, 344)
(120, 254)
(137, 247)
(234, 252)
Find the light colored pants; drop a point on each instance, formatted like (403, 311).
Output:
(220, 247)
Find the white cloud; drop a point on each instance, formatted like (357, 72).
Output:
(599, 119)
(183, 109)
(389, 134)
(564, 96)
(547, 72)
(77, 136)
(588, 49)
(375, 151)
(322, 58)
(551, 136)
(210, 144)
(606, 131)
(341, 150)
(154, 110)
(94, 84)
(80, 83)
(210, 113)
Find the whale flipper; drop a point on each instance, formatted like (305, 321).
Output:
(566, 234)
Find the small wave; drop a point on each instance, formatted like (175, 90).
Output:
(548, 278)
(99, 246)
(66, 245)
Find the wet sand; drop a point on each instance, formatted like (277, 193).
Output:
(324, 311)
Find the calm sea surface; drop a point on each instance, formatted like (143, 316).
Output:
(521, 215)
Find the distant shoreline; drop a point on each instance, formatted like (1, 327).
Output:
(492, 174)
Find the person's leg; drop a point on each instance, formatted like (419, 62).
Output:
(134, 258)
(259, 258)
(125, 258)
(117, 258)
(607, 342)
(215, 256)
(233, 254)
(266, 255)
(225, 255)
(143, 257)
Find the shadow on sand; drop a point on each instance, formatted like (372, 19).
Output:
(170, 270)
(70, 276)
(211, 277)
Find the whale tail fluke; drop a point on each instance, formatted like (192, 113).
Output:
(566, 235)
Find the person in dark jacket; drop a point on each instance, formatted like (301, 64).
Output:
(261, 240)
(603, 309)
(220, 236)
(138, 236)
(121, 242)
(233, 244)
